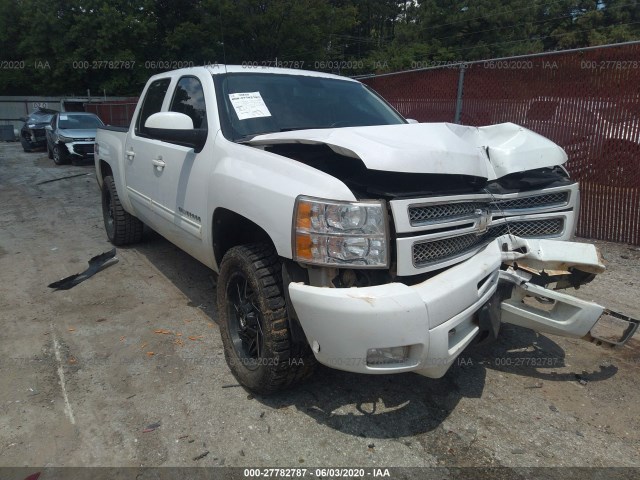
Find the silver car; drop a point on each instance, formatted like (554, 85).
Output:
(71, 136)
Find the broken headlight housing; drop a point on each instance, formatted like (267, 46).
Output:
(350, 234)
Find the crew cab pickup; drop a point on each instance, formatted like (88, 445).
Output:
(341, 232)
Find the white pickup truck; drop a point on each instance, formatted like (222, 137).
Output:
(341, 232)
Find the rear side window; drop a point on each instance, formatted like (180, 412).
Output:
(152, 102)
(189, 99)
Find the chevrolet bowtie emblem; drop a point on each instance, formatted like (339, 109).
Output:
(482, 221)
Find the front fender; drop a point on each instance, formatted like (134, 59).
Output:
(262, 187)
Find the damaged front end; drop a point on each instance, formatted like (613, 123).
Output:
(478, 230)
(33, 133)
(423, 327)
(534, 271)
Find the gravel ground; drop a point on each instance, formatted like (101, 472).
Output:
(87, 376)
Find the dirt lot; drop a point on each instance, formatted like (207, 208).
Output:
(85, 373)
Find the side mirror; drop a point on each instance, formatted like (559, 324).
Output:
(411, 120)
(174, 127)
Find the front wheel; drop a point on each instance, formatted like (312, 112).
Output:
(60, 156)
(253, 322)
(122, 227)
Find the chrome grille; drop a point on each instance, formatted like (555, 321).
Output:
(535, 201)
(420, 215)
(436, 213)
(529, 228)
(83, 148)
(425, 253)
(429, 252)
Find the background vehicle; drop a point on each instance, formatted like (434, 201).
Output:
(71, 136)
(342, 233)
(602, 138)
(32, 133)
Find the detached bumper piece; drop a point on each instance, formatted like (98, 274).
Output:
(96, 264)
(608, 328)
(564, 315)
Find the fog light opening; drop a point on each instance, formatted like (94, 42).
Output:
(387, 356)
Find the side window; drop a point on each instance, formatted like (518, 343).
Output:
(189, 99)
(152, 102)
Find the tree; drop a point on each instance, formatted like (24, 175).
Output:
(66, 46)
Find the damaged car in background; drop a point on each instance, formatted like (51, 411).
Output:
(343, 233)
(71, 136)
(32, 133)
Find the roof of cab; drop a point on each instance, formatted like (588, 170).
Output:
(218, 69)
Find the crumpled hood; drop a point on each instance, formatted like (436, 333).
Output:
(441, 148)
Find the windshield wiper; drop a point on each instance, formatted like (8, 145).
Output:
(290, 129)
(250, 136)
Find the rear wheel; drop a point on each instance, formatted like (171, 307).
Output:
(122, 227)
(60, 156)
(254, 324)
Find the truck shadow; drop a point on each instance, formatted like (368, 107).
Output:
(524, 352)
(192, 278)
(380, 406)
(393, 406)
(384, 406)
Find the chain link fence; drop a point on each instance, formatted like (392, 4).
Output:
(587, 101)
(117, 113)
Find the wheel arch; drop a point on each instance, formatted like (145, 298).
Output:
(104, 170)
(230, 229)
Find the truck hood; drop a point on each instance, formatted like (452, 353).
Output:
(78, 133)
(440, 148)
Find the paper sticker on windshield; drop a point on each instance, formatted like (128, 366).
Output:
(63, 117)
(249, 105)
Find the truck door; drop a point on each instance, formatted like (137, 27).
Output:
(182, 175)
(139, 152)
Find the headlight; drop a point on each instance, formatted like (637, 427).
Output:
(64, 139)
(340, 233)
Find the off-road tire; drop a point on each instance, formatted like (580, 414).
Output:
(122, 227)
(60, 157)
(280, 363)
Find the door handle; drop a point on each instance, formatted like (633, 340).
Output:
(159, 164)
(130, 154)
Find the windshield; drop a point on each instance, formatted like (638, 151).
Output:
(79, 122)
(39, 117)
(255, 103)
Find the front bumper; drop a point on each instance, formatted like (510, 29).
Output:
(436, 319)
(32, 139)
(81, 149)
